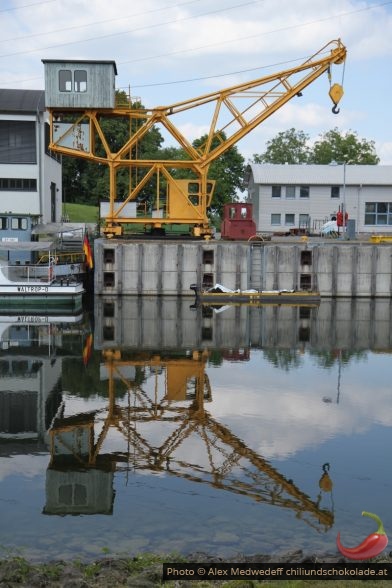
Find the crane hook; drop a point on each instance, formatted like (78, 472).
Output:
(335, 109)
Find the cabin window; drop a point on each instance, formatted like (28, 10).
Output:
(80, 80)
(65, 80)
(3, 223)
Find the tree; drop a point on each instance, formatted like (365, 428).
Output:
(85, 181)
(287, 147)
(343, 148)
(333, 146)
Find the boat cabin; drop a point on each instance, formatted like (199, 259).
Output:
(17, 228)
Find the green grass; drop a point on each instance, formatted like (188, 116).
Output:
(81, 213)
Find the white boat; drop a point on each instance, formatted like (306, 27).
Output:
(35, 286)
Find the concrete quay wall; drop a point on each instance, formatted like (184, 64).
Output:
(162, 268)
(160, 324)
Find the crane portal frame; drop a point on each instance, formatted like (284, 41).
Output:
(233, 112)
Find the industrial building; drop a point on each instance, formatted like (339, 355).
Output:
(30, 174)
(292, 198)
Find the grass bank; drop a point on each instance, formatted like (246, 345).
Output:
(144, 571)
(80, 213)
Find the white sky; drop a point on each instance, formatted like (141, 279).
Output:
(170, 50)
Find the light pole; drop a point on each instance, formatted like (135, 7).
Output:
(344, 200)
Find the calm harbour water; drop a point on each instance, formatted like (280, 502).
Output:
(154, 426)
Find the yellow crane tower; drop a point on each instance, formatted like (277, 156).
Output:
(233, 112)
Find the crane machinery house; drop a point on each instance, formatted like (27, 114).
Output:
(292, 199)
(30, 174)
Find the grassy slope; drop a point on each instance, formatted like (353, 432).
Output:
(81, 213)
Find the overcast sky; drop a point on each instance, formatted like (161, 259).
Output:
(171, 50)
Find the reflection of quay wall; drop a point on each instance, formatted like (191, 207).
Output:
(170, 267)
(169, 323)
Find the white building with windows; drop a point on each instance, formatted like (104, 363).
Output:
(30, 175)
(290, 197)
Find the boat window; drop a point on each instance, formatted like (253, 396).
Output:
(19, 223)
(3, 223)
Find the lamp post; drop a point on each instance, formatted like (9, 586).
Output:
(344, 200)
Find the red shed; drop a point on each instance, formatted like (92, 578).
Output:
(238, 223)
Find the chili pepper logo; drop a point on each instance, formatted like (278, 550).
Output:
(370, 547)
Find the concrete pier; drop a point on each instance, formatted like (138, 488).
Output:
(335, 269)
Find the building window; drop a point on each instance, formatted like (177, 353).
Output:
(289, 219)
(18, 184)
(378, 213)
(335, 191)
(80, 80)
(290, 191)
(276, 191)
(304, 221)
(17, 142)
(304, 191)
(275, 219)
(65, 80)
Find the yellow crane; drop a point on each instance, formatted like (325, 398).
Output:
(233, 112)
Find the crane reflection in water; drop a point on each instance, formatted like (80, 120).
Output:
(170, 393)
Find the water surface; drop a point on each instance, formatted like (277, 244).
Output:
(155, 426)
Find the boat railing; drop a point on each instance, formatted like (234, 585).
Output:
(28, 273)
(62, 258)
